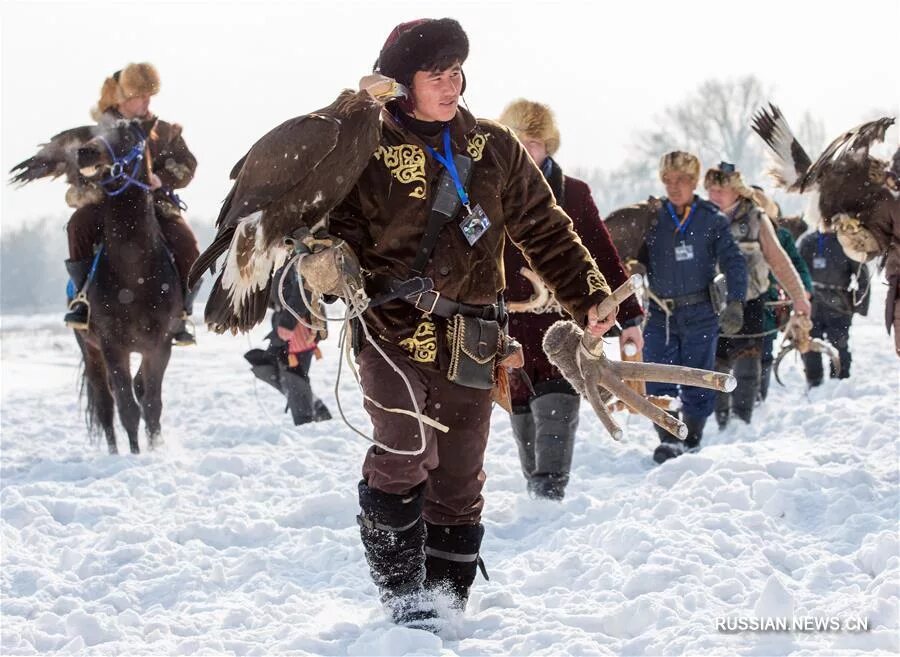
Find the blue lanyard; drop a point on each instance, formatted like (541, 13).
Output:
(680, 226)
(820, 246)
(447, 160)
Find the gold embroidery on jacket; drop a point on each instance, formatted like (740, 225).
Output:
(422, 346)
(596, 282)
(406, 163)
(475, 147)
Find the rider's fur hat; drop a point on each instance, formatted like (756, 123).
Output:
(133, 80)
(530, 119)
(425, 44)
(680, 162)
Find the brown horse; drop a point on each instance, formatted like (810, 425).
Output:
(134, 292)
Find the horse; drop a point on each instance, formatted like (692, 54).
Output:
(133, 291)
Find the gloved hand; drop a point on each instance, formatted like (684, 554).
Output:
(731, 319)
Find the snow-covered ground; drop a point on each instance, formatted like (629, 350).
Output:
(239, 537)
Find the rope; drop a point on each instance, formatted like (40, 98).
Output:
(357, 303)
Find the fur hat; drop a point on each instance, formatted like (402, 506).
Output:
(726, 175)
(680, 162)
(530, 119)
(426, 44)
(133, 80)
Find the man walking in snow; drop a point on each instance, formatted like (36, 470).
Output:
(544, 405)
(689, 239)
(420, 518)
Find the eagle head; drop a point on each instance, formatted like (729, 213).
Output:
(382, 88)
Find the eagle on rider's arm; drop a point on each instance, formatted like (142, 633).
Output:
(846, 186)
(285, 186)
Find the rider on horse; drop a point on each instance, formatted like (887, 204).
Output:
(126, 95)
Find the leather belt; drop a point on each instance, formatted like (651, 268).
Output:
(433, 302)
(684, 300)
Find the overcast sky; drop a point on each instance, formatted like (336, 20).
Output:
(233, 70)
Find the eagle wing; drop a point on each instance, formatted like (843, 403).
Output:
(55, 158)
(277, 163)
(852, 147)
(791, 161)
(274, 165)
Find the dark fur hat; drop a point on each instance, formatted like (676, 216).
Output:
(426, 44)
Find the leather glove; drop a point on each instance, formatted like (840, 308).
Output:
(731, 319)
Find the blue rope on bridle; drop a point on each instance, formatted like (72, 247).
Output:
(118, 172)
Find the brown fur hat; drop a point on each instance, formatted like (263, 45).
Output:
(133, 80)
(725, 175)
(530, 119)
(680, 162)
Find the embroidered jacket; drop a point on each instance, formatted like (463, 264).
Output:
(385, 215)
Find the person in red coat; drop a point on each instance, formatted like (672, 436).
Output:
(544, 406)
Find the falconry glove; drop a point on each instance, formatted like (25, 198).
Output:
(732, 318)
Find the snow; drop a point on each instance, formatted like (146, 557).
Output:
(238, 536)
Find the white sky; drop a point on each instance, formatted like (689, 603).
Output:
(233, 70)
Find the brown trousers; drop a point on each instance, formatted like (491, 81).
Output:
(85, 228)
(451, 465)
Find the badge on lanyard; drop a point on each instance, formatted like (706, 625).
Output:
(684, 252)
(474, 225)
(819, 259)
(476, 222)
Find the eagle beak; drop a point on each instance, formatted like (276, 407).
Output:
(383, 88)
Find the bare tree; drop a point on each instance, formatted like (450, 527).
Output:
(713, 122)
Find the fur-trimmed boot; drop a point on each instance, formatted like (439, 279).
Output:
(452, 560)
(523, 431)
(393, 535)
(555, 423)
(79, 308)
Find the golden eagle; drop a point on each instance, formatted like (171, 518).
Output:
(846, 185)
(55, 158)
(288, 181)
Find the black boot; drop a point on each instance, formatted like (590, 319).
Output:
(555, 423)
(723, 399)
(183, 337)
(523, 431)
(695, 427)
(393, 536)
(264, 365)
(320, 411)
(79, 308)
(812, 366)
(299, 394)
(451, 560)
(669, 446)
(747, 371)
(765, 375)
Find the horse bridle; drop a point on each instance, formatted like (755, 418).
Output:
(118, 172)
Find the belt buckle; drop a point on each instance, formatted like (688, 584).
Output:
(427, 311)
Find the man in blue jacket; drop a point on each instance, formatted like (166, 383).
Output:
(682, 250)
(834, 301)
